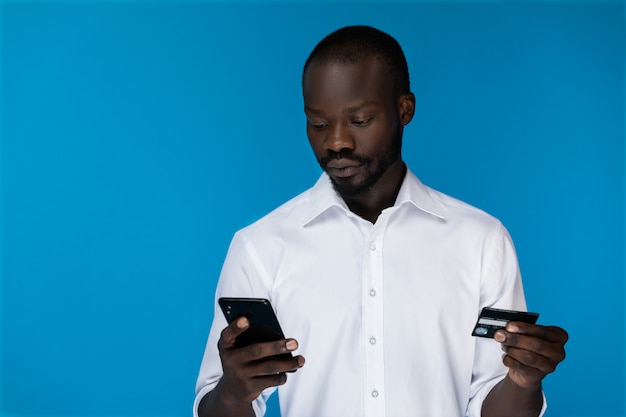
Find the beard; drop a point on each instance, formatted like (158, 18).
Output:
(383, 160)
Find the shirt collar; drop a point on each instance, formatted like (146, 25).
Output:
(323, 197)
(414, 192)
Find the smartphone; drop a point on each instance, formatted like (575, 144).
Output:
(264, 325)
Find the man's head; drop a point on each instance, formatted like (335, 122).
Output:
(352, 44)
(357, 100)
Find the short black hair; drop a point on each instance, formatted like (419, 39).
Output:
(352, 44)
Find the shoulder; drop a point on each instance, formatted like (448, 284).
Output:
(456, 209)
(449, 210)
(287, 216)
(474, 227)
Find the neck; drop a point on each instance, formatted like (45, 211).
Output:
(382, 195)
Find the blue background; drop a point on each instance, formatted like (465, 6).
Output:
(138, 136)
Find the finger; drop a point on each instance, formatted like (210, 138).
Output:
(554, 351)
(250, 387)
(549, 333)
(273, 380)
(257, 385)
(259, 351)
(521, 374)
(230, 333)
(531, 360)
(274, 366)
(525, 342)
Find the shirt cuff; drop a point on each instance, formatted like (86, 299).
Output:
(258, 405)
(474, 408)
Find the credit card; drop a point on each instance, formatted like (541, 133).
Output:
(492, 319)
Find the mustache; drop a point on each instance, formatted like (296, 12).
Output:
(343, 154)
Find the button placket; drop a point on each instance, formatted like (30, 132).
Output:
(373, 324)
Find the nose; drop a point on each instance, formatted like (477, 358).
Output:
(339, 138)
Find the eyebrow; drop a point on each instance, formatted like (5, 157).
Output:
(354, 109)
(347, 110)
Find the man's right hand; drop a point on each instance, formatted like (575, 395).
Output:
(247, 372)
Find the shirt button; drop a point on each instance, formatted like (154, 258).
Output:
(372, 246)
(373, 292)
(372, 340)
(374, 394)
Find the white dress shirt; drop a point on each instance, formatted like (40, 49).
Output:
(383, 313)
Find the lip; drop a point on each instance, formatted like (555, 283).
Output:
(342, 168)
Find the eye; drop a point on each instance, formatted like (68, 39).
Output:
(317, 124)
(362, 122)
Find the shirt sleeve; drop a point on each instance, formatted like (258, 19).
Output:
(241, 276)
(501, 287)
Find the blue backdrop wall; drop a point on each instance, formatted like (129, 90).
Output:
(137, 136)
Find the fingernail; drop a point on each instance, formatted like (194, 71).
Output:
(499, 336)
(300, 361)
(242, 323)
(292, 345)
(512, 328)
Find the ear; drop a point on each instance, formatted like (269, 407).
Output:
(406, 105)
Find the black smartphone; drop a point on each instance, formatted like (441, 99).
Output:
(264, 325)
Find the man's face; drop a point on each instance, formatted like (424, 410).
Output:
(354, 122)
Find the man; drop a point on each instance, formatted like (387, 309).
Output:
(376, 278)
